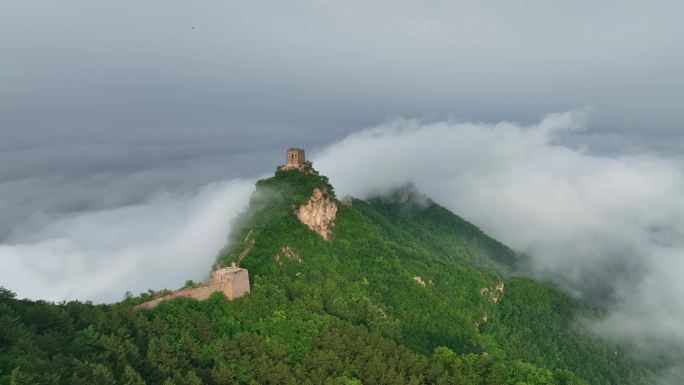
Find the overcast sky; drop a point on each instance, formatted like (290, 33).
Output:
(131, 132)
(313, 70)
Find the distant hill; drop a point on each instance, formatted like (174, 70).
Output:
(390, 290)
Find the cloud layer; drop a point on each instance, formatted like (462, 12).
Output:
(606, 228)
(99, 255)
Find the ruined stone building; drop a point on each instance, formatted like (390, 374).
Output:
(232, 281)
(294, 158)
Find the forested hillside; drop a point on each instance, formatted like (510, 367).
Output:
(404, 292)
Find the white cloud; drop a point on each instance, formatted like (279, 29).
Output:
(102, 254)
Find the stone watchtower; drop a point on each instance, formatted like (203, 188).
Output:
(294, 158)
(233, 281)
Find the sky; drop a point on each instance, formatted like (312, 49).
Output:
(131, 133)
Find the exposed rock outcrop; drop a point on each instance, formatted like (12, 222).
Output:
(318, 213)
(288, 252)
(421, 281)
(494, 293)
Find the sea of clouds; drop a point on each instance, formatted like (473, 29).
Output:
(99, 255)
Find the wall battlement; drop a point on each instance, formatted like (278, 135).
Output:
(232, 281)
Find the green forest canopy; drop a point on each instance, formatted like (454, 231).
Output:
(406, 292)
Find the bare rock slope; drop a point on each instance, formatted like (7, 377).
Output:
(318, 213)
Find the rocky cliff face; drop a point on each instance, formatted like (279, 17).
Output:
(318, 213)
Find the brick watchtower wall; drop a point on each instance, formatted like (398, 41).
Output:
(294, 158)
(235, 280)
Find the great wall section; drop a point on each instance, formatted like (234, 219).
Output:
(232, 281)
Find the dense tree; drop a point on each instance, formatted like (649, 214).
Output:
(405, 293)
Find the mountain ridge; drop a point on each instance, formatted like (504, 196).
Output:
(401, 291)
(420, 227)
